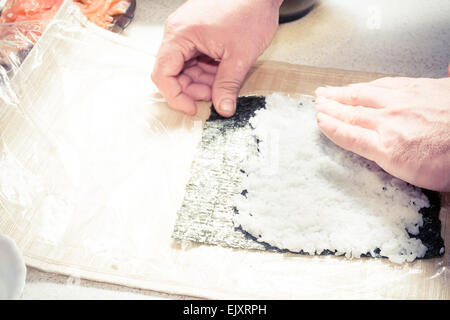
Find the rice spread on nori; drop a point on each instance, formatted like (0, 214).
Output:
(230, 143)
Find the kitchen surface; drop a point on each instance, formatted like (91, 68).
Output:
(405, 37)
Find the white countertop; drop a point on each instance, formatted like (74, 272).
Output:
(405, 37)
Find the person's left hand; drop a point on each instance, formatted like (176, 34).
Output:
(403, 124)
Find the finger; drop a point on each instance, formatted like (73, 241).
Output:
(359, 140)
(207, 64)
(169, 63)
(358, 116)
(184, 81)
(229, 78)
(177, 98)
(198, 91)
(190, 63)
(208, 67)
(361, 94)
(198, 75)
(182, 102)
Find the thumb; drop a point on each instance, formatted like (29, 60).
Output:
(229, 78)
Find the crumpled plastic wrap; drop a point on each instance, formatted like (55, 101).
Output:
(16, 41)
(19, 32)
(81, 131)
(93, 168)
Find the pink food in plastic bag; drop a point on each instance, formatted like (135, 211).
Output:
(100, 12)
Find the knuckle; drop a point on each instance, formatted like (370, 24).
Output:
(352, 119)
(157, 72)
(171, 24)
(355, 144)
(352, 140)
(193, 72)
(355, 117)
(392, 112)
(396, 147)
(174, 27)
(387, 143)
(230, 85)
(155, 78)
(355, 93)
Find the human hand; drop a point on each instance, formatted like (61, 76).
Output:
(403, 124)
(208, 48)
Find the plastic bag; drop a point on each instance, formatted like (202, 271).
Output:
(21, 26)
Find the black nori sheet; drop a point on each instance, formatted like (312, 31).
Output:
(429, 233)
(246, 108)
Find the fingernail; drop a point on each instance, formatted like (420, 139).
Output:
(227, 106)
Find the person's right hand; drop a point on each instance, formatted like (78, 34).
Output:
(208, 48)
(403, 124)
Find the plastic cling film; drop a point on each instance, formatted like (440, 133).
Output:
(94, 167)
(87, 141)
(217, 177)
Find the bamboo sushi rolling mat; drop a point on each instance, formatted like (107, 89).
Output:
(133, 246)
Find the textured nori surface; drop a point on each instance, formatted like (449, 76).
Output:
(246, 108)
(430, 232)
(206, 213)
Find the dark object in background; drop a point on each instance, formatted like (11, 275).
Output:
(292, 10)
(122, 21)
